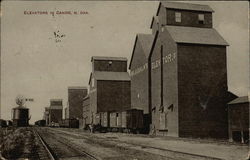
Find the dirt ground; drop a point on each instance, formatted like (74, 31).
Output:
(119, 146)
(214, 149)
(218, 150)
(105, 150)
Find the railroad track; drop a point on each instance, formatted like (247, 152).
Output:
(76, 148)
(47, 154)
(171, 154)
(61, 148)
(179, 153)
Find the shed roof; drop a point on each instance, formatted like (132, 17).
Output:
(108, 58)
(114, 76)
(196, 35)
(238, 100)
(187, 6)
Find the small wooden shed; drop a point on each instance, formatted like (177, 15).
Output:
(238, 120)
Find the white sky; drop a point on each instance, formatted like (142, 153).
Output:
(34, 65)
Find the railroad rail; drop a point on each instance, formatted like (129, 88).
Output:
(201, 157)
(60, 148)
(173, 153)
(78, 148)
(45, 146)
(170, 153)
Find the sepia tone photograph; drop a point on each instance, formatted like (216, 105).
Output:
(124, 80)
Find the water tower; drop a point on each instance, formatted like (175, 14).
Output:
(20, 114)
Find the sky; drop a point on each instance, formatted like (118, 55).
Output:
(36, 64)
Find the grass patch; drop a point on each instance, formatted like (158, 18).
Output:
(17, 142)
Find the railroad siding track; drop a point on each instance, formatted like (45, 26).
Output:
(44, 151)
(177, 155)
(78, 149)
(60, 148)
(171, 154)
(114, 152)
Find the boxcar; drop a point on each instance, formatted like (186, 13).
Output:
(105, 119)
(69, 123)
(3, 123)
(116, 119)
(73, 123)
(62, 123)
(9, 123)
(134, 119)
(40, 123)
(124, 121)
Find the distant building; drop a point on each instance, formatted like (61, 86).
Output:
(179, 73)
(55, 111)
(238, 119)
(46, 116)
(75, 99)
(86, 116)
(109, 86)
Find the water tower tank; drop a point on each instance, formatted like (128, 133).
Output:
(20, 116)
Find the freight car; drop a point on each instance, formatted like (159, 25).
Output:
(3, 123)
(69, 123)
(129, 121)
(9, 123)
(40, 123)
